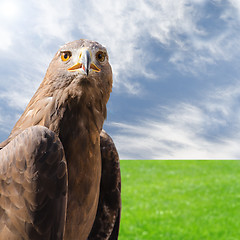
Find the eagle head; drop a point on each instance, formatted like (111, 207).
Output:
(80, 68)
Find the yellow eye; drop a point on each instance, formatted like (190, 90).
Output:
(65, 56)
(100, 56)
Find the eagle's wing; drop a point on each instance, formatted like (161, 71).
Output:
(33, 186)
(106, 225)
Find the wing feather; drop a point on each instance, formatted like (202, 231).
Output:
(33, 186)
(106, 225)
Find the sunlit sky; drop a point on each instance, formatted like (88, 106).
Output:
(176, 69)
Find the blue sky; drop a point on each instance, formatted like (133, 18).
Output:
(176, 69)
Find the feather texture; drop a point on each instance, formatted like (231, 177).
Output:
(33, 196)
(59, 179)
(106, 225)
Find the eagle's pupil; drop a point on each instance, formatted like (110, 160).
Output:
(99, 56)
(65, 55)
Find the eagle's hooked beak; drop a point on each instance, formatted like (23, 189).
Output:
(85, 64)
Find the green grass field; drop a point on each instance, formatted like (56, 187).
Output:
(180, 200)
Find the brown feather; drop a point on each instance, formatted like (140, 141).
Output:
(106, 225)
(22, 200)
(73, 106)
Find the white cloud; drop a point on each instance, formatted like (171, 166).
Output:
(6, 41)
(54, 20)
(235, 4)
(32, 37)
(209, 130)
(125, 28)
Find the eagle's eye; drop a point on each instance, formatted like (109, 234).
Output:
(100, 56)
(65, 56)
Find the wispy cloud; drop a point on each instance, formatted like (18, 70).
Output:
(206, 130)
(125, 28)
(135, 33)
